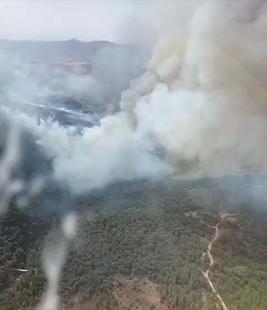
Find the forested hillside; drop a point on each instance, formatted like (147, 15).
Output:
(143, 246)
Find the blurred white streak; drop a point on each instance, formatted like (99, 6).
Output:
(69, 225)
(8, 162)
(53, 261)
(10, 184)
(35, 187)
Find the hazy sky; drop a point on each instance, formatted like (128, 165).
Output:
(65, 19)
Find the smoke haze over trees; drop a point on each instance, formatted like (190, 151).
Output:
(124, 138)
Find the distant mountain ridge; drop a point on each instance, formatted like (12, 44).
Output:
(71, 50)
(89, 75)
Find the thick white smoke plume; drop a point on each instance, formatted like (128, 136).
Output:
(198, 110)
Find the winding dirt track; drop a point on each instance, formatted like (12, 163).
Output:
(206, 274)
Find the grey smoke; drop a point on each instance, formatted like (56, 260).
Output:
(194, 112)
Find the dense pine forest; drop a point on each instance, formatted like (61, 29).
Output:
(143, 245)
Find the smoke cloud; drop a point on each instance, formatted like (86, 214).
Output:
(198, 110)
(201, 102)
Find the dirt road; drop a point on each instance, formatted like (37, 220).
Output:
(206, 274)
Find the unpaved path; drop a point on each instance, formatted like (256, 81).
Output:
(206, 274)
